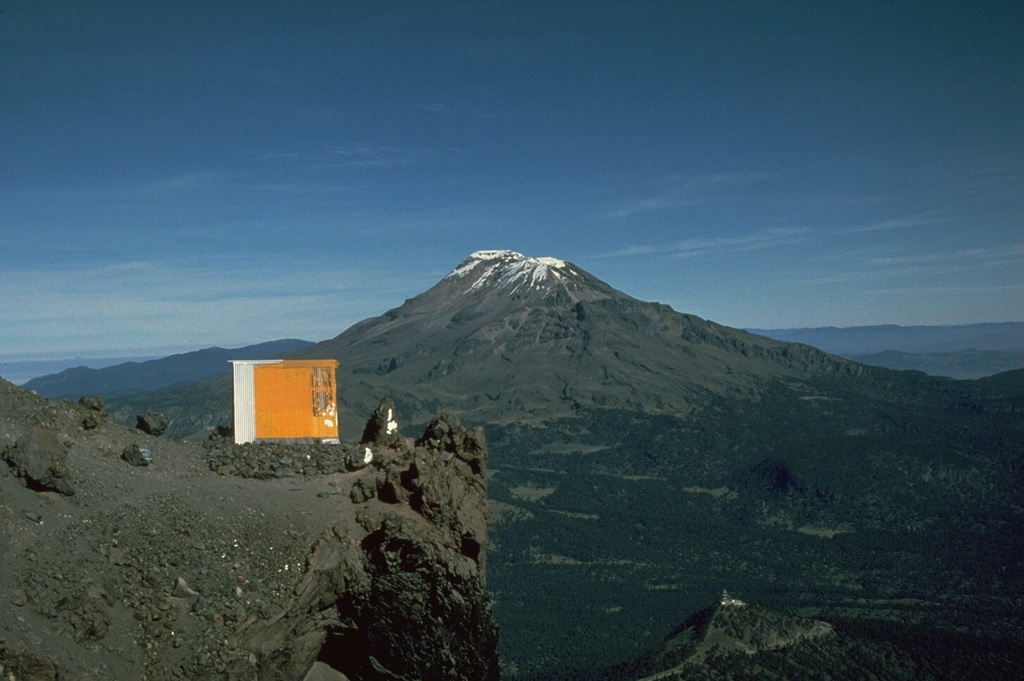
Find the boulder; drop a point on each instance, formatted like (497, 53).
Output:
(222, 432)
(444, 432)
(26, 666)
(40, 458)
(364, 489)
(93, 403)
(358, 458)
(97, 410)
(151, 422)
(416, 579)
(137, 456)
(382, 427)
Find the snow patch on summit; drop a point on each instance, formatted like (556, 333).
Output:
(509, 270)
(496, 255)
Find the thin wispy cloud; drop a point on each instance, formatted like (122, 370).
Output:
(148, 303)
(690, 248)
(185, 182)
(301, 188)
(313, 115)
(909, 221)
(338, 155)
(1002, 253)
(759, 240)
(713, 181)
(105, 191)
(677, 191)
(935, 264)
(643, 206)
(945, 290)
(373, 155)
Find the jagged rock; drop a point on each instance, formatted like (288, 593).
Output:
(359, 458)
(136, 455)
(415, 579)
(222, 432)
(41, 460)
(322, 672)
(382, 427)
(151, 422)
(183, 590)
(97, 410)
(390, 595)
(364, 489)
(25, 666)
(19, 598)
(443, 491)
(94, 403)
(392, 487)
(444, 432)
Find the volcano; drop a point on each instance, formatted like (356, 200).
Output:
(506, 337)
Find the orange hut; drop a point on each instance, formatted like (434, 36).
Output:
(284, 399)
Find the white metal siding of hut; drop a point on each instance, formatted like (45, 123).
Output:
(244, 401)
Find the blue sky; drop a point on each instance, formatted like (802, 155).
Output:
(183, 174)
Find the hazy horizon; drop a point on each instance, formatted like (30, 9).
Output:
(195, 175)
(19, 369)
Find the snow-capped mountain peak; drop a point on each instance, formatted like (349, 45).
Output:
(510, 271)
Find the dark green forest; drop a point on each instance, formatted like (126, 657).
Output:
(613, 526)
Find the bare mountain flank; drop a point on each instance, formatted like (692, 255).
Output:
(506, 337)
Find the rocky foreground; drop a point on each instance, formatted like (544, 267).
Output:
(130, 556)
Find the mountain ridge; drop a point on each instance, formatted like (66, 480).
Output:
(966, 351)
(473, 309)
(154, 374)
(864, 340)
(753, 641)
(546, 333)
(733, 626)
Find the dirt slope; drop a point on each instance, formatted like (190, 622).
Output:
(216, 561)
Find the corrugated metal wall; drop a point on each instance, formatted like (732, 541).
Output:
(243, 402)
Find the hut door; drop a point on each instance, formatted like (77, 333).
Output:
(322, 384)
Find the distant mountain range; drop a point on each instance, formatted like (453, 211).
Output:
(146, 376)
(967, 351)
(964, 364)
(19, 372)
(866, 340)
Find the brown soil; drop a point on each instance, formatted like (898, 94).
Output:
(158, 571)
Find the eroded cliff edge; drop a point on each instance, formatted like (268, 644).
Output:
(265, 561)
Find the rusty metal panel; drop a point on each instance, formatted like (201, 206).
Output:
(296, 399)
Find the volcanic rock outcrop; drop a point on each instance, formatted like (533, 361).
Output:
(40, 460)
(257, 561)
